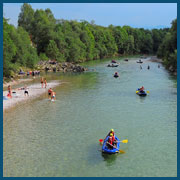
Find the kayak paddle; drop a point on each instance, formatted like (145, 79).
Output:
(101, 141)
(124, 141)
(121, 151)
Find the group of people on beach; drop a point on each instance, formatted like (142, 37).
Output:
(25, 88)
(51, 92)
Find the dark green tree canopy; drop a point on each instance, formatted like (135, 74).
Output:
(40, 34)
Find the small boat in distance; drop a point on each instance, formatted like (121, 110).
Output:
(141, 92)
(140, 61)
(112, 65)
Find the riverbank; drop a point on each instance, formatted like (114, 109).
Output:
(15, 82)
(18, 97)
(155, 59)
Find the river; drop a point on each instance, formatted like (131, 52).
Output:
(60, 139)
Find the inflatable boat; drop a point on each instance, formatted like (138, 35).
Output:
(105, 148)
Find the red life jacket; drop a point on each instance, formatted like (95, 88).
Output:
(113, 138)
(110, 140)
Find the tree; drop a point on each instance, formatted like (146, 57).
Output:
(168, 48)
(26, 17)
(52, 51)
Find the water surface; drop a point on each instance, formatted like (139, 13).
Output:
(60, 139)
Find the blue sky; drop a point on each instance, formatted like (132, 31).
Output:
(145, 15)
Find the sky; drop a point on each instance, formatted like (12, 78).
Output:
(137, 15)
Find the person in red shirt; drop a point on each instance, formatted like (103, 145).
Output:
(111, 141)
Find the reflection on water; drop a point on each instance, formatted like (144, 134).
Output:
(109, 158)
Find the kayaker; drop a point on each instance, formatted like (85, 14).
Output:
(111, 141)
(111, 131)
(141, 89)
(116, 74)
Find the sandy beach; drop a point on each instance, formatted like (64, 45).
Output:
(34, 90)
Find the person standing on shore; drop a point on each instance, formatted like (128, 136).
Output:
(42, 83)
(9, 91)
(26, 91)
(45, 83)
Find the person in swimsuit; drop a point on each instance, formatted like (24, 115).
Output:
(42, 83)
(45, 83)
(9, 91)
(53, 95)
(26, 91)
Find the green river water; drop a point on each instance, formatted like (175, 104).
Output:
(60, 139)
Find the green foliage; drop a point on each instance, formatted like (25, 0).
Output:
(52, 51)
(17, 49)
(40, 34)
(43, 57)
(168, 48)
(26, 17)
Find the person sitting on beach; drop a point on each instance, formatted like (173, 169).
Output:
(26, 91)
(49, 92)
(42, 82)
(9, 91)
(53, 95)
(45, 83)
(22, 88)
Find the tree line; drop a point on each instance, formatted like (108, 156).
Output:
(39, 36)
